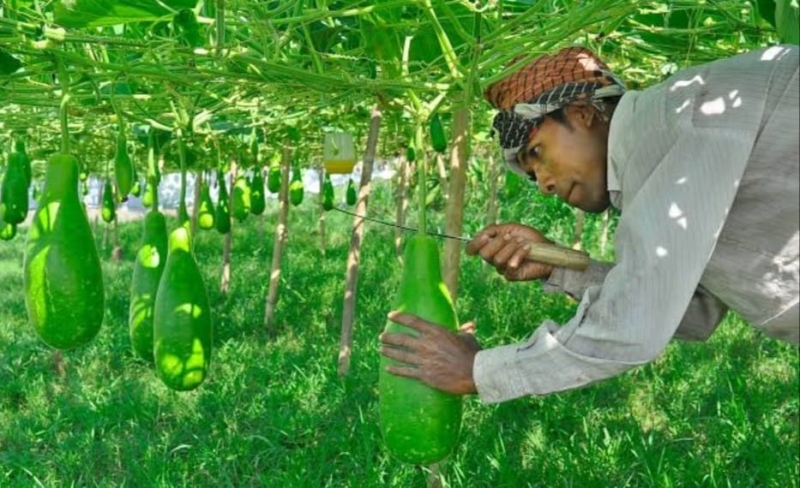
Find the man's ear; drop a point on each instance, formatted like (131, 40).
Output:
(581, 114)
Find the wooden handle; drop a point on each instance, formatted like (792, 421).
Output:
(563, 257)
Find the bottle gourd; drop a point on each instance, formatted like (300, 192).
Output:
(147, 269)
(62, 276)
(181, 318)
(420, 424)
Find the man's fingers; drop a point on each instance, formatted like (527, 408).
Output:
(467, 328)
(519, 256)
(401, 355)
(398, 340)
(404, 371)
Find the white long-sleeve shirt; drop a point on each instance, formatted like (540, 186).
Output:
(704, 168)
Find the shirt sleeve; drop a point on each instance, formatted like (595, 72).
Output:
(663, 242)
(701, 319)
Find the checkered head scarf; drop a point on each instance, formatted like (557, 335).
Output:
(545, 85)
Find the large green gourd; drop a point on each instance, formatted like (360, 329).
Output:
(62, 277)
(108, 209)
(274, 177)
(7, 231)
(20, 157)
(327, 193)
(258, 201)
(222, 219)
(14, 197)
(147, 270)
(205, 214)
(438, 139)
(420, 424)
(182, 318)
(296, 188)
(241, 198)
(123, 169)
(350, 193)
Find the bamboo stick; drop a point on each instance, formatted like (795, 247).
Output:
(321, 220)
(354, 255)
(281, 235)
(454, 220)
(227, 246)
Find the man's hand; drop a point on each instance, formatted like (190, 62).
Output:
(438, 357)
(505, 246)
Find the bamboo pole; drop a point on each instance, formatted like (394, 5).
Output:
(281, 235)
(321, 219)
(454, 212)
(198, 184)
(401, 205)
(227, 246)
(354, 255)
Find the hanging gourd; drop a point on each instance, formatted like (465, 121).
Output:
(123, 168)
(411, 154)
(420, 424)
(274, 175)
(438, 139)
(258, 201)
(62, 276)
(147, 270)
(136, 189)
(108, 207)
(206, 212)
(181, 318)
(14, 197)
(7, 230)
(296, 188)
(241, 198)
(20, 157)
(350, 193)
(222, 219)
(327, 193)
(339, 154)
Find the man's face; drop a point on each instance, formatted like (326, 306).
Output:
(570, 161)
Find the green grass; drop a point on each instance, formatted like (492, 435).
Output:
(274, 412)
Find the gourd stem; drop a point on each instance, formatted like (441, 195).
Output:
(63, 77)
(421, 180)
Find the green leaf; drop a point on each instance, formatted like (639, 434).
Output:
(8, 63)
(77, 14)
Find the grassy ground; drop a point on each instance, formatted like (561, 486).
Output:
(274, 413)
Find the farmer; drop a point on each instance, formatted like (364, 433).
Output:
(704, 169)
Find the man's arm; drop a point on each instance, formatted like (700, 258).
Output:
(665, 238)
(701, 319)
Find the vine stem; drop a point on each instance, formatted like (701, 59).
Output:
(63, 78)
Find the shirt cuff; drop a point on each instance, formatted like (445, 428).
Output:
(573, 282)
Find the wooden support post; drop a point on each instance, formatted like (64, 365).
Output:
(493, 175)
(354, 255)
(454, 220)
(227, 246)
(281, 235)
(321, 220)
(198, 186)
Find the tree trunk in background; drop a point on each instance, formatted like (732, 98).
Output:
(493, 176)
(322, 245)
(454, 213)
(354, 256)
(198, 183)
(281, 235)
(401, 206)
(577, 234)
(227, 245)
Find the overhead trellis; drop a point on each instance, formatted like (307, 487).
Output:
(313, 63)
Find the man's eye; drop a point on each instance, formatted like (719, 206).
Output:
(534, 151)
